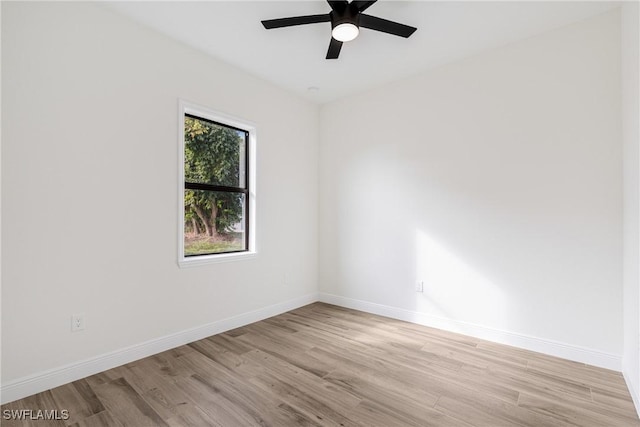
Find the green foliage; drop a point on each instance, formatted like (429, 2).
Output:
(212, 153)
(205, 247)
(212, 156)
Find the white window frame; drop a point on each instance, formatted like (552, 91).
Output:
(185, 107)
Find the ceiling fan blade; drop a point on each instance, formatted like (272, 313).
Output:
(296, 20)
(390, 27)
(362, 5)
(334, 49)
(338, 5)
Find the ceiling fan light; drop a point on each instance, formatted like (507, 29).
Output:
(345, 32)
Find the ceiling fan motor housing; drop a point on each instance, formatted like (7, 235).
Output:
(350, 15)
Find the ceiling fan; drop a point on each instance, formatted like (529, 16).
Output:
(346, 20)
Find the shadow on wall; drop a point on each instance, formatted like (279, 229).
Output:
(452, 289)
(515, 243)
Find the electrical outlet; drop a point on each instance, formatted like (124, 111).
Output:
(77, 322)
(419, 286)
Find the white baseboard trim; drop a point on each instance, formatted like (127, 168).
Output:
(45, 380)
(632, 391)
(32, 384)
(550, 347)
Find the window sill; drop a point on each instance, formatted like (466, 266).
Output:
(215, 259)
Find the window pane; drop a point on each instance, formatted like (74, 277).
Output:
(213, 153)
(214, 222)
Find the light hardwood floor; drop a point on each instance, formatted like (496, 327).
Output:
(322, 365)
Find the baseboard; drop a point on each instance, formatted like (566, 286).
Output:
(36, 383)
(632, 391)
(553, 348)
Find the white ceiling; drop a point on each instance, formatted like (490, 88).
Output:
(293, 58)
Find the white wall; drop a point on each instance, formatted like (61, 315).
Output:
(631, 197)
(89, 174)
(497, 181)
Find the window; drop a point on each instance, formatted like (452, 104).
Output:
(216, 192)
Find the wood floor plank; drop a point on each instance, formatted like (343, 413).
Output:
(101, 419)
(214, 405)
(30, 411)
(230, 343)
(153, 372)
(222, 356)
(239, 398)
(126, 405)
(614, 399)
(295, 355)
(322, 365)
(579, 375)
(408, 402)
(310, 383)
(438, 381)
(570, 413)
(298, 418)
(486, 411)
(388, 414)
(88, 395)
(79, 399)
(522, 380)
(193, 417)
(314, 410)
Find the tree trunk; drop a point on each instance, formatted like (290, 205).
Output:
(194, 225)
(214, 215)
(211, 231)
